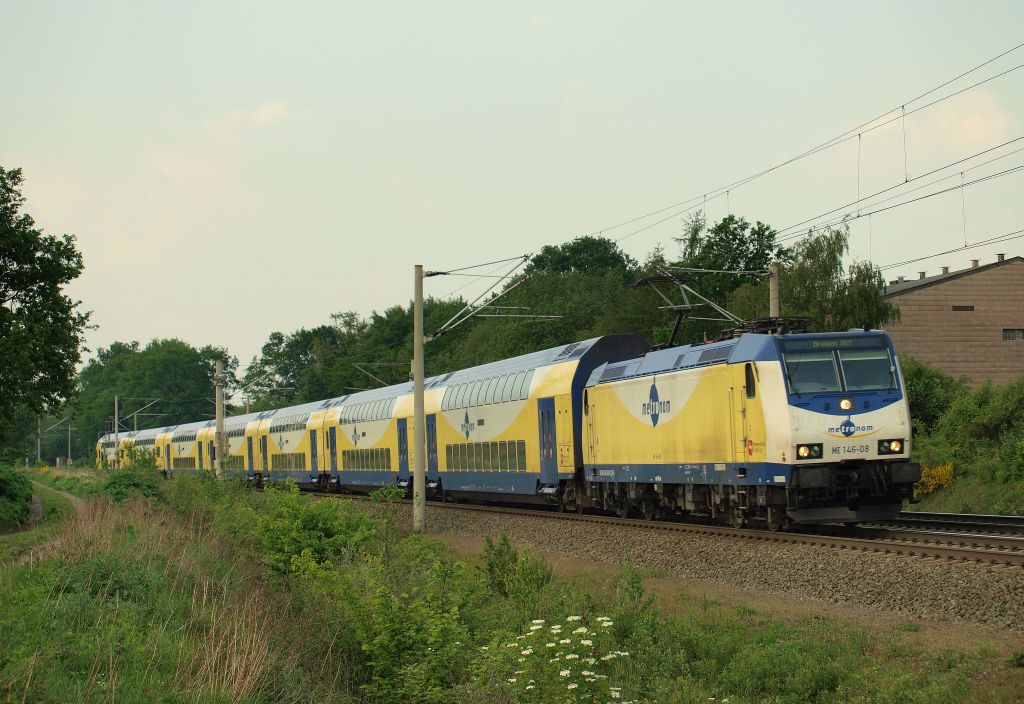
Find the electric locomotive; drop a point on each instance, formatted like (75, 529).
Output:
(770, 429)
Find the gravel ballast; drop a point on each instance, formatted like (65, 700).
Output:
(914, 586)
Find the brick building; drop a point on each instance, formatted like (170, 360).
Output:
(966, 323)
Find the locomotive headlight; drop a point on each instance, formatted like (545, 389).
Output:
(890, 447)
(808, 452)
(846, 404)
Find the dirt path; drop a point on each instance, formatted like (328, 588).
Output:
(77, 503)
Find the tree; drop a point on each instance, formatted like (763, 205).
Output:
(41, 328)
(173, 371)
(815, 284)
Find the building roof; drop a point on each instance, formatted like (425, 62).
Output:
(899, 287)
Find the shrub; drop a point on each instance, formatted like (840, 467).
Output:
(511, 574)
(934, 478)
(15, 498)
(290, 525)
(125, 484)
(387, 494)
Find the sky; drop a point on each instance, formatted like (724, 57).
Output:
(235, 168)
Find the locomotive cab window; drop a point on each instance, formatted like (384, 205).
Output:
(812, 371)
(867, 370)
(839, 364)
(750, 381)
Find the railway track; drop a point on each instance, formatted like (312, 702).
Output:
(975, 524)
(999, 550)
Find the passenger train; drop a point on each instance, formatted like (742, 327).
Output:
(758, 429)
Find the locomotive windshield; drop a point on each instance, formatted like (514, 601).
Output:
(838, 364)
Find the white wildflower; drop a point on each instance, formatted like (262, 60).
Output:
(615, 695)
(586, 642)
(529, 686)
(609, 656)
(572, 619)
(565, 673)
(537, 620)
(512, 680)
(581, 629)
(606, 624)
(565, 641)
(551, 645)
(572, 685)
(572, 656)
(587, 673)
(528, 651)
(590, 661)
(518, 672)
(536, 627)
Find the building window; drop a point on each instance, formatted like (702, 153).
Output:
(965, 308)
(1013, 334)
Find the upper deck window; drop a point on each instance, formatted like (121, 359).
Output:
(827, 365)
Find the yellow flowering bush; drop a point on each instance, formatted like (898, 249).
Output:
(934, 478)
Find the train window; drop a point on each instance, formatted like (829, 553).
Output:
(505, 388)
(524, 393)
(866, 370)
(463, 460)
(750, 382)
(811, 371)
(503, 455)
(517, 386)
(489, 394)
(471, 456)
(495, 459)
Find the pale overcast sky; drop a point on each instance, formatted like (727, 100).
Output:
(235, 168)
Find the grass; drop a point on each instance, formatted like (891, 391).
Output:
(55, 509)
(224, 594)
(972, 494)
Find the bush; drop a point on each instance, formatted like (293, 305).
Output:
(934, 478)
(327, 529)
(125, 484)
(15, 499)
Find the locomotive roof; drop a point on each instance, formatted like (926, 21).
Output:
(748, 347)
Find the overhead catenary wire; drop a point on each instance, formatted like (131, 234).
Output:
(860, 129)
(950, 165)
(1007, 237)
(850, 218)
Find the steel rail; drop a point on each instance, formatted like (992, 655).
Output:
(968, 549)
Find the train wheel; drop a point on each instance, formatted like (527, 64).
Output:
(777, 519)
(650, 509)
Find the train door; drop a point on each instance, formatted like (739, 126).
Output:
(546, 432)
(432, 444)
(403, 446)
(199, 447)
(264, 459)
(332, 447)
(213, 455)
(167, 458)
(313, 465)
(248, 445)
(744, 403)
(590, 413)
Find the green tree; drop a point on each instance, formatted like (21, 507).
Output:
(814, 283)
(41, 328)
(173, 371)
